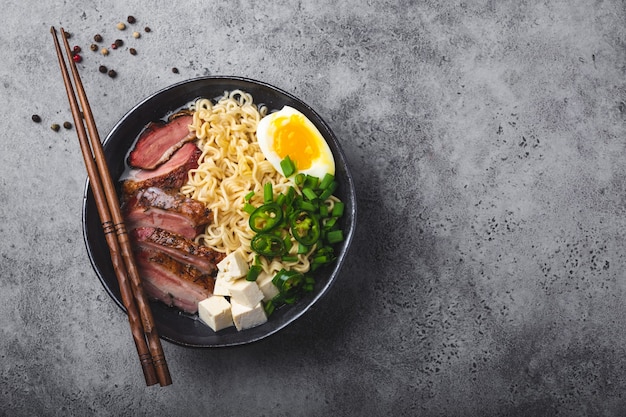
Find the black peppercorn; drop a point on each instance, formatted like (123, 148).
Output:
(175, 70)
(131, 19)
(119, 42)
(102, 69)
(147, 29)
(132, 51)
(98, 38)
(36, 118)
(93, 47)
(112, 73)
(67, 125)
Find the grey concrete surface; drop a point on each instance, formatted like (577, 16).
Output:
(488, 144)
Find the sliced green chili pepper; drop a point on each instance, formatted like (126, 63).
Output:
(305, 227)
(266, 217)
(267, 245)
(288, 282)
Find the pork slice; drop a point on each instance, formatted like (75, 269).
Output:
(171, 282)
(178, 247)
(158, 142)
(165, 209)
(171, 174)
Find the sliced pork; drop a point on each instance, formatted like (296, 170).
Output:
(171, 174)
(169, 210)
(178, 247)
(171, 282)
(158, 142)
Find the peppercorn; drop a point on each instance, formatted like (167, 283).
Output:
(104, 51)
(113, 46)
(98, 38)
(93, 47)
(67, 125)
(77, 58)
(112, 73)
(102, 69)
(175, 70)
(119, 42)
(55, 127)
(67, 35)
(131, 19)
(132, 51)
(147, 29)
(76, 49)
(36, 118)
(136, 35)
(121, 26)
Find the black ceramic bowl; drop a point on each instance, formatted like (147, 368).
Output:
(173, 325)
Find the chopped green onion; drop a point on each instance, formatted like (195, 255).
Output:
(287, 166)
(328, 191)
(269, 308)
(289, 258)
(309, 193)
(334, 236)
(330, 223)
(249, 208)
(249, 196)
(307, 206)
(253, 273)
(338, 209)
(326, 181)
(268, 193)
(299, 179)
(311, 182)
(323, 210)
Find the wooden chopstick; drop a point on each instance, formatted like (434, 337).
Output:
(142, 325)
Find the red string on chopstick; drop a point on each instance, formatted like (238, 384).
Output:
(140, 317)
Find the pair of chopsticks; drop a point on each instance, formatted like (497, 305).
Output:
(140, 317)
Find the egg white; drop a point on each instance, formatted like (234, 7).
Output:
(266, 131)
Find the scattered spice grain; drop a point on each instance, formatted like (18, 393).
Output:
(55, 127)
(97, 38)
(175, 70)
(104, 51)
(136, 35)
(147, 29)
(93, 47)
(102, 69)
(36, 118)
(67, 125)
(112, 73)
(131, 19)
(132, 51)
(119, 42)
(121, 26)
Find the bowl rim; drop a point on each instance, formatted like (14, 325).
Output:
(350, 225)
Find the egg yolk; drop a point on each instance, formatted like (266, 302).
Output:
(292, 137)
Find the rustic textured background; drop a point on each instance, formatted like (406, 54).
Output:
(487, 142)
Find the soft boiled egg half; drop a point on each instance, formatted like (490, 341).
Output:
(288, 132)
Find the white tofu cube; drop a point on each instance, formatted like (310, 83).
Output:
(269, 290)
(233, 266)
(245, 317)
(246, 293)
(222, 285)
(215, 311)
